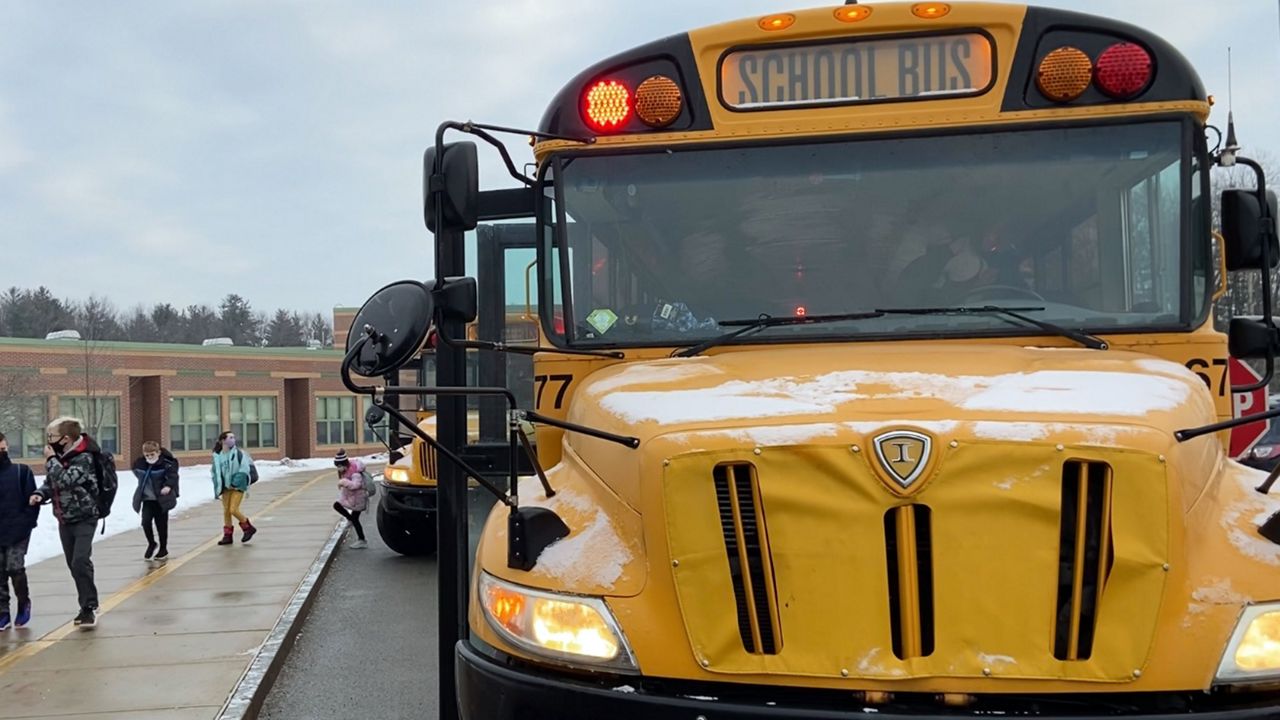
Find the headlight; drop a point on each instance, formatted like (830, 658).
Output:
(1254, 651)
(396, 475)
(572, 629)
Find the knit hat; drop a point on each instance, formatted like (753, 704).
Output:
(340, 458)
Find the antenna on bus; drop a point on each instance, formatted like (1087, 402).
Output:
(1227, 157)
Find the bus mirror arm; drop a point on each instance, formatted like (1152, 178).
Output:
(1192, 433)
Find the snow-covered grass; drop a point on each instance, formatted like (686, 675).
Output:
(195, 489)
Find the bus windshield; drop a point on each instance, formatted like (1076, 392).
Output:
(1084, 222)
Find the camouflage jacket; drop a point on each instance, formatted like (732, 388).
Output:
(70, 483)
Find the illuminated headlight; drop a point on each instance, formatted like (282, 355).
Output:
(572, 629)
(1253, 654)
(396, 475)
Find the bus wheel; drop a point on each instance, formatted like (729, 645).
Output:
(406, 538)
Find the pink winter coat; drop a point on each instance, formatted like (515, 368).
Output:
(351, 494)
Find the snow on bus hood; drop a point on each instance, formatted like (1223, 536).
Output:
(1021, 388)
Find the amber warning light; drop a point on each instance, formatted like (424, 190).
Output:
(607, 105)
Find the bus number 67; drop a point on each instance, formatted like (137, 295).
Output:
(1200, 366)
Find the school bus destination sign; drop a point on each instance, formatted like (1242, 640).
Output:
(838, 73)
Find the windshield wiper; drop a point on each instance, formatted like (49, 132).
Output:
(754, 325)
(1090, 341)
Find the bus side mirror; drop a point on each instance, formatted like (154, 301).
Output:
(457, 299)
(1252, 338)
(393, 326)
(456, 188)
(1244, 232)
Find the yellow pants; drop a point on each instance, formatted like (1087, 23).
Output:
(231, 506)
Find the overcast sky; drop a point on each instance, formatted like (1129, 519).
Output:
(178, 151)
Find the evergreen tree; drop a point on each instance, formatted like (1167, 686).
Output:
(168, 323)
(284, 330)
(319, 329)
(96, 319)
(47, 313)
(200, 322)
(140, 328)
(237, 321)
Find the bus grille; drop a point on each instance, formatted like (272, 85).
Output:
(746, 544)
(1085, 556)
(908, 541)
(427, 460)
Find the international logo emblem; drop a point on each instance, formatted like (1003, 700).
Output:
(903, 454)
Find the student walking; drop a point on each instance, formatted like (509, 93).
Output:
(73, 465)
(353, 496)
(232, 471)
(157, 472)
(17, 519)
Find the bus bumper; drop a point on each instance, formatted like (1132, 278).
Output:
(491, 690)
(409, 500)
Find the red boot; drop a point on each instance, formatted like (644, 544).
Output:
(226, 535)
(248, 529)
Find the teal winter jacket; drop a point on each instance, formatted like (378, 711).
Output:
(231, 471)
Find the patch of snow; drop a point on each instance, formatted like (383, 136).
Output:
(706, 698)
(778, 435)
(1219, 592)
(594, 554)
(1167, 368)
(1017, 431)
(531, 495)
(937, 427)
(195, 489)
(624, 689)
(1080, 392)
(989, 660)
(1258, 508)
(1007, 483)
(1046, 391)
(663, 373)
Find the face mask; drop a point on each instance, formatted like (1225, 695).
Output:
(57, 446)
(4, 457)
(229, 442)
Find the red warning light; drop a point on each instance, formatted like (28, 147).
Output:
(1123, 70)
(801, 311)
(607, 105)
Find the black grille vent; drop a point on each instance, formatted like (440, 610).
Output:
(908, 537)
(747, 550)
(1085, 556)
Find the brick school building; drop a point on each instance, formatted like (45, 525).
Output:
(280, 402)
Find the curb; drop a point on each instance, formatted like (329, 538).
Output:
(246, 699)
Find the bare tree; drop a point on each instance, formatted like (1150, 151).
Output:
(17, 398)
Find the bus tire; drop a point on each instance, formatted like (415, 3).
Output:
(410, 539)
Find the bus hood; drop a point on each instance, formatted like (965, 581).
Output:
(890, 512)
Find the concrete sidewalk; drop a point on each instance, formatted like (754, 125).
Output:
(172, 640)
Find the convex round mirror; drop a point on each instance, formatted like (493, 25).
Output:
(401, 315)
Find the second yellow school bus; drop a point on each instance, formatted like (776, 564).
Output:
(907, 295)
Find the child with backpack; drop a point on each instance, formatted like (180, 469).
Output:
(157, 493)
(80, 481)
(355, 487)
(17, 519)
(233, 473)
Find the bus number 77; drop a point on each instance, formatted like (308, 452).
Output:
(542, 380)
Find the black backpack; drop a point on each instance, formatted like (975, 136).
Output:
(253, 469)
(104, 466)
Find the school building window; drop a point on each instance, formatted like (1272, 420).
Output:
(335, 420)
(253, 420)
(99, 417)
(22, 420)
(194, 422)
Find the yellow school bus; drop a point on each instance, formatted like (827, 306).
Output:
(407, 506)
(911, 299)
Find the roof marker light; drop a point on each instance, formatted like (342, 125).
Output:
(853, 13)
(781, 21)
(930, 10)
